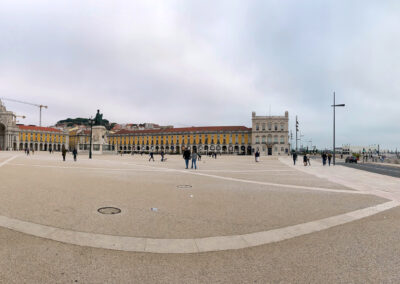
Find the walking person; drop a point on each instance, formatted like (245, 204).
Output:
(308, 160)
(257, 156)
(194, 159)
(329, 159)
(151, 156)
(324, 158)
(162, 156)
(64, 152)
(294, 158)
(198, 156)
(27, 151)
(74, 152)
(186, 156)
(305, 160)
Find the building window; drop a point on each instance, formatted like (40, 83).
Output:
(257, 140)
(282, 127)
(276, 149)
(269, 139)
(257, 126)
(276, 139)
(282, 139)
(263, 139)
(269, 126)
(263, 126)
(282, 149)
(276, 126)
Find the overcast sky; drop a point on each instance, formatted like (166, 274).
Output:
(208, 63)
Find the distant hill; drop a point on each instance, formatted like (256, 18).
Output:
(70, 122)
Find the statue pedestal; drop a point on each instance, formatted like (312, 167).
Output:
(99, 139)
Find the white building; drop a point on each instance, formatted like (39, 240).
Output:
(270, 134)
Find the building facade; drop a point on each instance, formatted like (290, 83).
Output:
(270, 134)
(220, 139)
(15, 136)
(41, 138)
(9, 138)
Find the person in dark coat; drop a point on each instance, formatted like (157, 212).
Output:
(305, 160)
(74, 152)
(324, 156)
(162, 156)
(151, 156)
(294, 158)
(63, 152)
(329, 159)
(186, 156)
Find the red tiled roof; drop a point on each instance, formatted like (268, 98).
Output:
(38, 128)
(185, 129)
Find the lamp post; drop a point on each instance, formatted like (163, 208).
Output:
(91, 129)
(334, 107)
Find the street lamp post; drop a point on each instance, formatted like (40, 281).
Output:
(334, 107)
(91, 130)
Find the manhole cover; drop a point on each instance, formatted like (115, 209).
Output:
(109, 210)
(184, 186)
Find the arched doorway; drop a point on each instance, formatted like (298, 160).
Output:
(2, 137)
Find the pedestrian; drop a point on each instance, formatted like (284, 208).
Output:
(27, 151)
(194, 159)
(186, 156)
(33, 151)
(151, 156)
(329, 159)
(294, 158)
(64, 152)
(324, 158)
(74, 152)
(257, 156)
(308, 160)
(162, 156)
(198, 156)
(49, 150)
(305, 159)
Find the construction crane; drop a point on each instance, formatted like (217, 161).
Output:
(21, 102)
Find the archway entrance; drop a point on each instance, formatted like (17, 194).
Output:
(2, 137)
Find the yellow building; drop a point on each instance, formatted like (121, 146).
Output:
(41, 138)
(220, 139)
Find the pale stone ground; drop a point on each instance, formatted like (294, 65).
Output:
(44, 190)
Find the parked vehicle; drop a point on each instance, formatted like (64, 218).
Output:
(351, 159)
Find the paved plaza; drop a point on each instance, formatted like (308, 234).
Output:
(230, 221)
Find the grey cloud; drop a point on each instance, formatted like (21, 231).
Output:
(208, 63)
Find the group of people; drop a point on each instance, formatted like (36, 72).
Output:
(162, 154)
(27, 151)
(64, 153)
(194, 156)
(306, 159)
(326, 157)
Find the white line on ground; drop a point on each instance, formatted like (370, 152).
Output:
(8, 160)
(219, 243)
(154, 169)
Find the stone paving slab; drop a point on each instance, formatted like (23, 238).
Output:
(69, 199)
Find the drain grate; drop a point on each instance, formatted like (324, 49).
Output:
(184, 186)
(109, 210)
